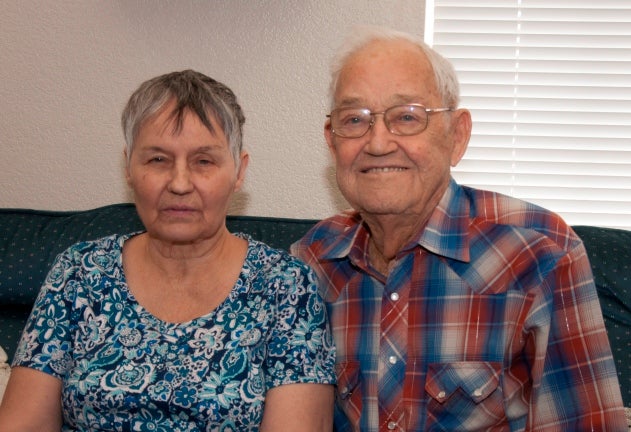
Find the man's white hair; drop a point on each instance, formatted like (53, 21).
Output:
(444, 72)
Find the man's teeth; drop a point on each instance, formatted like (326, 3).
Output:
(385, 169)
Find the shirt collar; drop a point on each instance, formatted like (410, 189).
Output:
(354, 235)
(446, 232)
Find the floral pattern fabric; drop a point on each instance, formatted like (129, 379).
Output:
(123, 369)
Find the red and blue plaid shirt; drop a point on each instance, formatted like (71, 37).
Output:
(489, 321)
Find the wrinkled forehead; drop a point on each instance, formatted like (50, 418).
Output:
(386, 72)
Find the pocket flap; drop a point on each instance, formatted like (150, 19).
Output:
(476, 379)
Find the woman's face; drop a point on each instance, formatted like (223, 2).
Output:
(182, 181)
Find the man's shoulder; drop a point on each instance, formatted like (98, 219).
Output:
(327, 232)
(332, 227)
(490, 210)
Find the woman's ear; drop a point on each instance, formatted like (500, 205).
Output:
(244, 159)
(461, 133)
(127, 173)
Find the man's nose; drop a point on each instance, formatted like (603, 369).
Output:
(379, 138)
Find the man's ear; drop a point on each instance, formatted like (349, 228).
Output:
(328, 135)
(243, 165)
(461, 133)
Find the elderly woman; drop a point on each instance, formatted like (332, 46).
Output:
(185, 326)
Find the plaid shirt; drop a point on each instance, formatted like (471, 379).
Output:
(489, 321)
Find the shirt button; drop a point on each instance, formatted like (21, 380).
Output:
(394, 296)
(392, 359)
(477, 393)
(392, 425)
(441, 394)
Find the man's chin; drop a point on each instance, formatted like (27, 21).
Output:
(383, 207)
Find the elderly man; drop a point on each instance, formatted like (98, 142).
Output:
(452, 308)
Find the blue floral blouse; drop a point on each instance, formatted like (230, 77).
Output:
(123, 369)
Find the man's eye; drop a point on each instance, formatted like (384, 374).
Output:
(156, 159)
(353, 120)
(408, 118)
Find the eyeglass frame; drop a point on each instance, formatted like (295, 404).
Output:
(373, 120)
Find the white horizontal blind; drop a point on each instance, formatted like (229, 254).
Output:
(548, 83)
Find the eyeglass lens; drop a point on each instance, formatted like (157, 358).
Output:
(400, 120)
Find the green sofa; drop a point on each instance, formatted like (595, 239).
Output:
(30, 240)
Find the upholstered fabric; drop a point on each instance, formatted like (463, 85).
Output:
(609, 253)
(31, 239)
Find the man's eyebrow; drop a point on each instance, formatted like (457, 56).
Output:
(349, 102)
(396, 99)
(405, 98)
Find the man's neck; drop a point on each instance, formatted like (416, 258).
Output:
(388, 235)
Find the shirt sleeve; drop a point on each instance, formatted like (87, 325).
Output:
(300, 346)
(575, 385)
(46, 339)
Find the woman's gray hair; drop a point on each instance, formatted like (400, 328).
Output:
(444, 72)
(192, 91)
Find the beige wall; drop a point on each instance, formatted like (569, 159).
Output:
(68, 67)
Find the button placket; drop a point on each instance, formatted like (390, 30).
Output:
(393, 350)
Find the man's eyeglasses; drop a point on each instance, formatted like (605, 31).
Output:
(403, 120)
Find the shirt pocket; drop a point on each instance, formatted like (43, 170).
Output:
(348, 391)
(465, 396)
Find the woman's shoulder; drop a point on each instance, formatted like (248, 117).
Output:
(262, 254)
(109, 241)
(111, 244)
(276, 269)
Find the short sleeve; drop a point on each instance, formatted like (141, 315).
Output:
(46, 340)
(300, 344)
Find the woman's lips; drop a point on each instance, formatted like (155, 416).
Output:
(179, 211)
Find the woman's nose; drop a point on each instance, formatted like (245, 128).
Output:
(180, 182)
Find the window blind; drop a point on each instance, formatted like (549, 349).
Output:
(548, 83)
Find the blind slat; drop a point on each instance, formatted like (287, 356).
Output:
(548, 83)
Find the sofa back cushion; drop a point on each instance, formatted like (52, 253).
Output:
(31, 239)
(609, 253)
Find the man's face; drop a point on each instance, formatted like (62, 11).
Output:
(381, 173)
